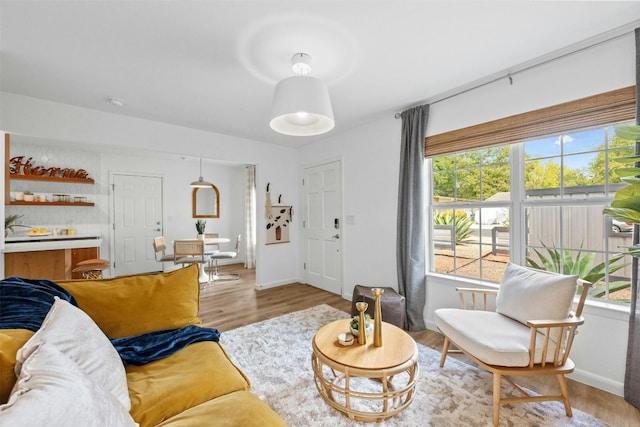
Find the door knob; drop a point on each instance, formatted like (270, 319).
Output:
(158, 229)
(337, 236)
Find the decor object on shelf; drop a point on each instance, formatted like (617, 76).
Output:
(301, 104)
(200, 183)
(29, 196)
(362, 331)
(19, 167)
(11, 222)
(377, 318)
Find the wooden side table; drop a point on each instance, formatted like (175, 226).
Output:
(335, 368)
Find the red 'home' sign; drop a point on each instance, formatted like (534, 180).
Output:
(19, 166)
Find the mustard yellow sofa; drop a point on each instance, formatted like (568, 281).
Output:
(196, 386)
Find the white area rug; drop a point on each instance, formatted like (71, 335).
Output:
(276, 356)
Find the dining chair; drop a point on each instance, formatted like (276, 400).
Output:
(225, 255)
(211, 247)
(189, 251)
(530, 333)
(160, 248)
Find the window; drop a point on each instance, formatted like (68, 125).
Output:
(538, 203)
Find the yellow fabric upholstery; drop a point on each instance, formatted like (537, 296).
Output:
(197, 386)
(10, 342)
(240, 408)
(167, 387)
(133, 305)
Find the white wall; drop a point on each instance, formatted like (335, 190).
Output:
(370, 160)
(371, 156)
(276, 264)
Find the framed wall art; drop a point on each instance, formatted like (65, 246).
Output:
(278, 224)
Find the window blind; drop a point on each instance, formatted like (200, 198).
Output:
(598, 110)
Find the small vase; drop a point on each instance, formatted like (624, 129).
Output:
(200, 236)
(362, 331)
(377, 320)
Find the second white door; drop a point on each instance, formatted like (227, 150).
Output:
(323, 226)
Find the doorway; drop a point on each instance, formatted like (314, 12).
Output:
(323, 226)
(137, 219)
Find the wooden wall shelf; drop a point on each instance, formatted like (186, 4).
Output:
(18, 203)
(52, 178)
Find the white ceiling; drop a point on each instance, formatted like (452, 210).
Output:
(213, 65)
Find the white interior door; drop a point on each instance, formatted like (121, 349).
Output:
(322, 226)
(137, 205)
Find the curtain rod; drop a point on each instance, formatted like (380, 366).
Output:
(573, 49)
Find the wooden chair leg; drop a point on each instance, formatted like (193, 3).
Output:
(565, 394)
(497, 380)
(445, 349)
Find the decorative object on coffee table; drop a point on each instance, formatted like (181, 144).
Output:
(362, 327)
(377, 319)
(392, 304)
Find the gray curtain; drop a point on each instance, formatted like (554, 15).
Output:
(411, 218)
(632, 372)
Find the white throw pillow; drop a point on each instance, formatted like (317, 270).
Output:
(527, 294)
(76, 335)
(52, 391)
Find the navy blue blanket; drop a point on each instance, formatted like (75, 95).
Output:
(145, 348)
(24, 303)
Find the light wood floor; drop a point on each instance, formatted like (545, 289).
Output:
(227, 305)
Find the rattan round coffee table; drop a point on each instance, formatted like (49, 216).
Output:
(365, 382)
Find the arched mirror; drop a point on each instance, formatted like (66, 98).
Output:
(206, 202)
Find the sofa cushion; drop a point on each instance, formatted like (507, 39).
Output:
(52, 391)
(76, 336)
(491, 337)
(10, 342)
(241, 408)
(162, 389)
(527, 294)
(136, 304)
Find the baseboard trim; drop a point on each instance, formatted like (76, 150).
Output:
(277, 283)
(597, 381)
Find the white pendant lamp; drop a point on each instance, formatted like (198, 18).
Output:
(201, 183)
(301, 104)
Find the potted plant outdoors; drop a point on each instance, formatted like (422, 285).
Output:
(626, 202)
(200, 225)
(10, 222)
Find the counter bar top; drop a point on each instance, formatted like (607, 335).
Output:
(51, 242)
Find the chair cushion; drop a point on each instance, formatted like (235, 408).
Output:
(241, 408)
(527, 294)
(491, 337)
(10, 342)
(137, 304)
(164, 388)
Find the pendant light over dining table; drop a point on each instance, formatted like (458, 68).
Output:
(201, 183)
(301, 104)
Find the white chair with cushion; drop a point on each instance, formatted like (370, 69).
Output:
(225, 255)
(160, 249)
(530, 333)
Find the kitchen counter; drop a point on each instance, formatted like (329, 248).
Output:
(27, 243)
